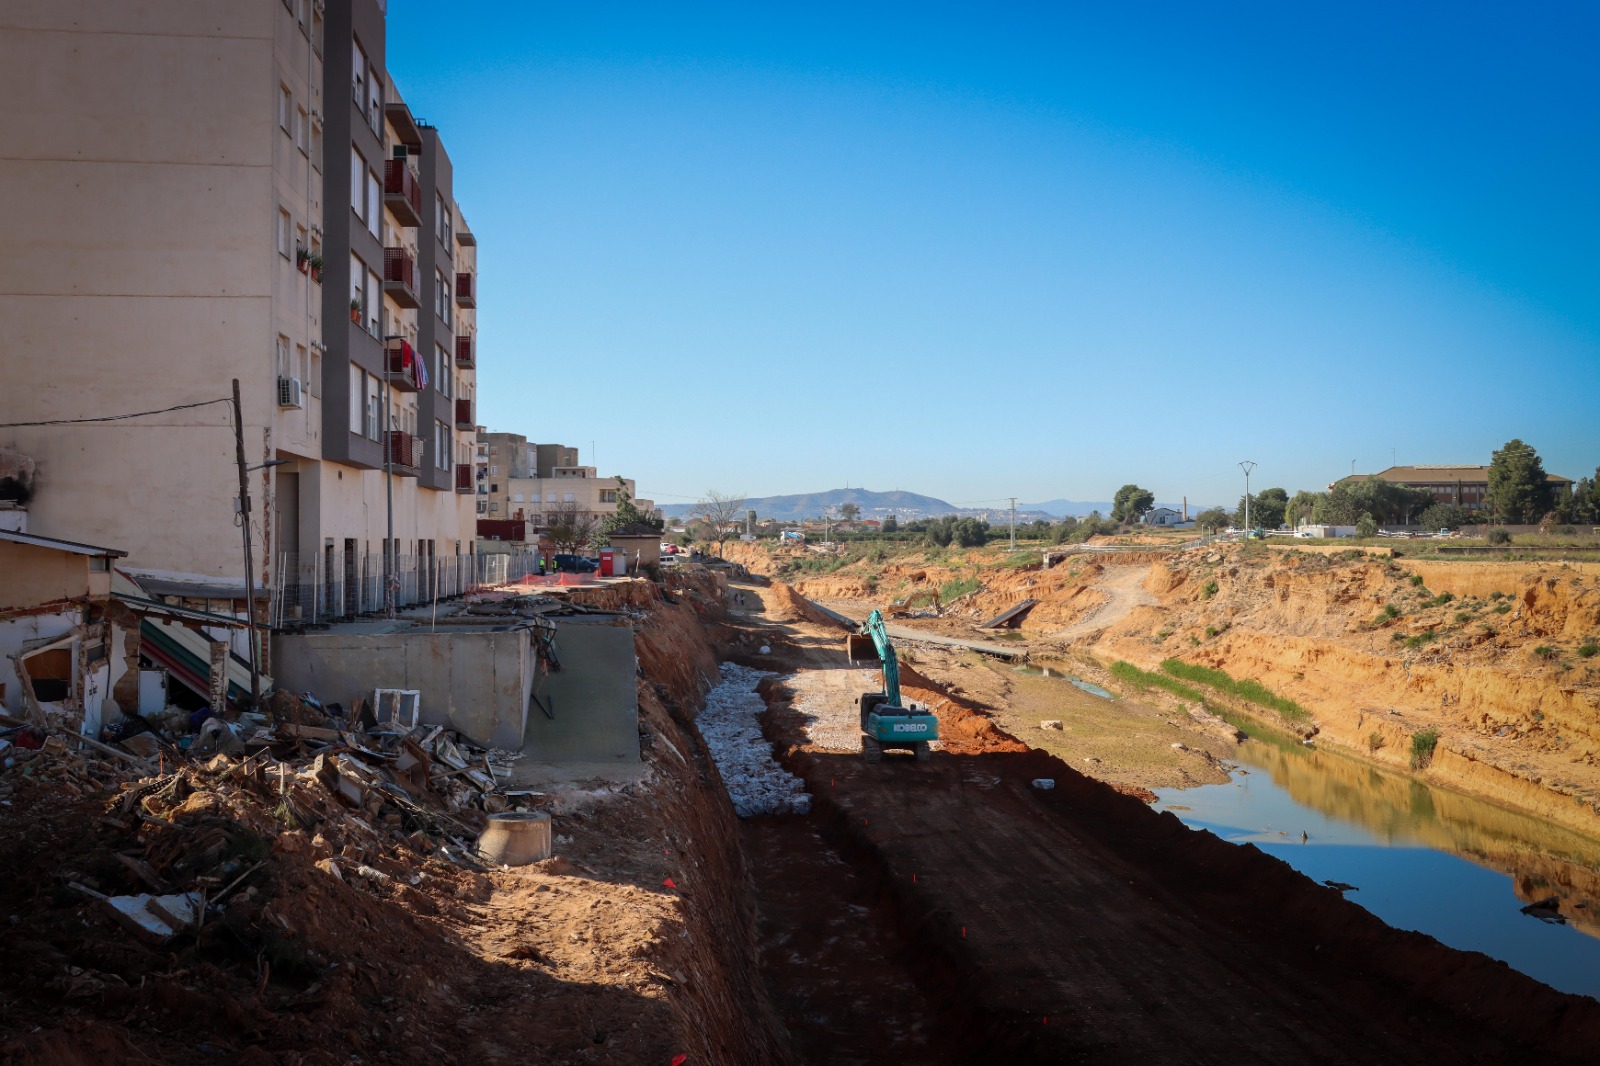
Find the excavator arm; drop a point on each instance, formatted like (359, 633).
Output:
(885, 721)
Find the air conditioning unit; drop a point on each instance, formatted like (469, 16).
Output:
(291, 393)
(400, 152)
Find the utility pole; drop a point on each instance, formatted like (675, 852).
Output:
(249, 564)
(1013, 500)
(1247, 466)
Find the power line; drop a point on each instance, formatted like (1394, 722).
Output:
(112, 418)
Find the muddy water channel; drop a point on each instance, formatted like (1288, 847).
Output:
(1456, 868)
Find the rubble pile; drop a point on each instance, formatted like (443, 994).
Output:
(732, 730)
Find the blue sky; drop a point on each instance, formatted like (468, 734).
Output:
(1037, 250)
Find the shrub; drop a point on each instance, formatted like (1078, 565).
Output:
(1208, 590)
(1397, 637)
(959, 587)
(1496, 595)
(1437, 601)
(1416, 581)
(1462, 617)
(1374, 739)
(1422, 745)
(1211, 631)
(1145, 680)
(1586, 651)
(1543, 651)
(1247, 689)
(1419, 639)
(1503, 608)
(1499, 536)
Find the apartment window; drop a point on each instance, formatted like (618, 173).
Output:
(358, 183)
(314, 373)
(358, 275)
(374, 300)
(606, 496)
(375, 103)
(374, 203)
(442, 359)
(316, 145)
(372, 405)
(516, 497)
(567, 497)
(358, 74)
(492, 470)
(302, 364)
(301, 122)
(300, 240)
(444, 447)
(494, 508)
(303, 13)
(316, 30)
(283, 357)
(283, 233)
(492, 488)
(358, 399)
(285, 107)
(441, 294)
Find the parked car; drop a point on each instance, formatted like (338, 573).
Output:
(576, 564)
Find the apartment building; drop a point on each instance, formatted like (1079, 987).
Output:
(520, 479)
(211, 199)
(1466, 487)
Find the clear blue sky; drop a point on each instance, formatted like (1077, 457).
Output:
(1037, 250)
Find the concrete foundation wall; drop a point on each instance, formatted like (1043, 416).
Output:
(477, 683)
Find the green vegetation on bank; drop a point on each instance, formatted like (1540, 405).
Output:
(1247, 689)
(1145, 680)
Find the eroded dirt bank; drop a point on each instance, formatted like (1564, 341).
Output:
(1077, 925)
(351, 944)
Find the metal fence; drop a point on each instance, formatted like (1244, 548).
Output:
(314, 589)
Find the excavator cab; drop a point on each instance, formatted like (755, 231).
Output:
(887, 722)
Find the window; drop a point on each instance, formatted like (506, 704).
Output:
(374, 300)
(372, 405)
(606, 496)
(284, 370)
(316, 145)
(358, 274)
(316, 30)
(438, 216)
(283, 233)
(301, 122)
(442, 359)
(444, 447)
(441, 294)
(300, 240)
(302, 364)
(314, 378)
(567, 497)
(285, 107)
(375, 103)
(358, 74)
(516, 497)
(358, 184)
(374, 203)
(358, 399)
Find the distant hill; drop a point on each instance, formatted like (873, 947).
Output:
(903, 505)
(1063, 508)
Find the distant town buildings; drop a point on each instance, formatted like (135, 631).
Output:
(1466, 487)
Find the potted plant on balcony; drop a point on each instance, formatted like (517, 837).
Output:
(355, 311)
(302, 258)
(316, 268)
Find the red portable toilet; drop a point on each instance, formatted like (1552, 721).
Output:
(606, 562)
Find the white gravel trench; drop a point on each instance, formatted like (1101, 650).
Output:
(731, 726)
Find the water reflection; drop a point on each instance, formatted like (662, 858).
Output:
(1449, 865)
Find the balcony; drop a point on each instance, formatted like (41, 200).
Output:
(466, 289)
(464, 414)
(405, 453)
(464, 353)
(400, 277)
(402, 193)
(464, 478)
(401, 366)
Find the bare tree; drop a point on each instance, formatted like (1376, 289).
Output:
(720, 513)
(569, 526)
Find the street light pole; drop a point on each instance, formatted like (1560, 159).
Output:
(1247, 466)
(1013, 523)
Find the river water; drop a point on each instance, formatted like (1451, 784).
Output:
(1456, 868)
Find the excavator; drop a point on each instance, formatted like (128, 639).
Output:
(887, 724)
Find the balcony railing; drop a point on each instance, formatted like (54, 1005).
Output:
(464, 353)
(401, 362)
(402, 193)
(400, 277)
(464, 477)
(466, 289)
(405, 453)
(464, 413)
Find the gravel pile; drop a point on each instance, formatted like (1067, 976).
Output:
(731, 726)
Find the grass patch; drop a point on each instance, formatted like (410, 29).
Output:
(1145, 680)
(1422, 745)
(1419, 639)
(1543, 651)
(1462, 617)
(1416, 581)
(1208, 590)
(1585, 651)
(959, 587)
(1389, 613)
(1016, 560)
(1504, 608)
(1438, 601)
(1247, 689)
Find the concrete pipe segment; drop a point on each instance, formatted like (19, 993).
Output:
(515, 838)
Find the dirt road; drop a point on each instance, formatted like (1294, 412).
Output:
(1076, 925)
(1123, 587)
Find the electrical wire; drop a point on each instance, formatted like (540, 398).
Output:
(113, 418)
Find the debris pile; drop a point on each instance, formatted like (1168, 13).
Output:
(731, 727)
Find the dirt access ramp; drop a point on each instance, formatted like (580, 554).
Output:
(1077, 925)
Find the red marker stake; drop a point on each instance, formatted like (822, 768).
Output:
(963, 932)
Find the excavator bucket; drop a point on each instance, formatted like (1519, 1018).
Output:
(858, 648)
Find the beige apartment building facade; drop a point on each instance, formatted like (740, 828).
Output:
(519, 480)
(210, 199)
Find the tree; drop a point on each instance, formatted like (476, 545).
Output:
(1366, 525)
(1213, 519)
(971, 532)
(849, 512)
(1443, 516)
(1518, 488)
(719, 513)
(891, 524)
(1266, 509)
(1300, 508)
(1586, 500)
(569, 526)
(1130, 503)
(627, 516)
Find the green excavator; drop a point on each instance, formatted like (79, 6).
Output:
(888, 724)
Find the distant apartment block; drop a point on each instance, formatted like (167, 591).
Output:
(520, 480)
(237, 190)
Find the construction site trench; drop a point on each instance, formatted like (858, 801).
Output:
(905, 912)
